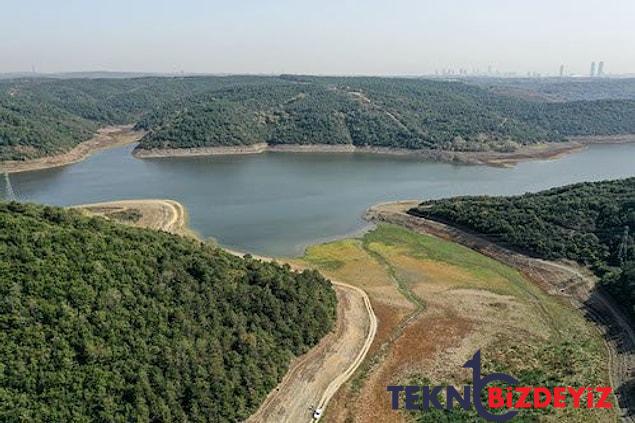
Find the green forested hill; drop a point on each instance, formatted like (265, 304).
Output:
(103, 322)
(40, 117)
(44, 116)
(29, 129)
(584, 222)
(400, 113)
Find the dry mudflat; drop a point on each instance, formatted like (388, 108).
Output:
(578, 307)
(437, 302)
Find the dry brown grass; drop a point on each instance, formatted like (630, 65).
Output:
(471, 302)
(347, 261)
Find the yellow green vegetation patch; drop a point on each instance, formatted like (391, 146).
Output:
(521, 330)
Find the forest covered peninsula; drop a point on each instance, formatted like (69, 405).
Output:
(43, 117)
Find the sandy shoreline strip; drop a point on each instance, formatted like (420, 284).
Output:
(116, 136)
(108, 137)
(533, 152)
(314, 377)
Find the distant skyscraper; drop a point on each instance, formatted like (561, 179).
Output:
(601, 68)
(561, 71)
(592, 73)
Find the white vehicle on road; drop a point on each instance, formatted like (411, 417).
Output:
(317, 414)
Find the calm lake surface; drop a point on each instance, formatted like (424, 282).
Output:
(278, 203)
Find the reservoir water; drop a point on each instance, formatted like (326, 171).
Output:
(277, 203)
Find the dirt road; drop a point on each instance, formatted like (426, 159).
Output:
(564, 279)
(314, 377)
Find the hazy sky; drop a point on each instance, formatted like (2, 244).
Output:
(317, 37)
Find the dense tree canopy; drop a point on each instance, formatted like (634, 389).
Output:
(584, 222)
(401, 113)
(46, 116)
(42, 116)
(104, 322)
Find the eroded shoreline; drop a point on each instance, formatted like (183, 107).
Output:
(117, 136)
(158, 214)
(108, 137)
(543, 151)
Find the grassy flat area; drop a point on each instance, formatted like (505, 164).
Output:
(437, 303)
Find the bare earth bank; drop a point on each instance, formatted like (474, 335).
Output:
(108, 137)
(165, 215)
(491, 158)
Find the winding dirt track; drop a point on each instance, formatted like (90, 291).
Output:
(313, 378)
(296, 396)
(372, 331)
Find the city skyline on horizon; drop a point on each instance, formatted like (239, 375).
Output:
(561, 71)
(345, 37)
